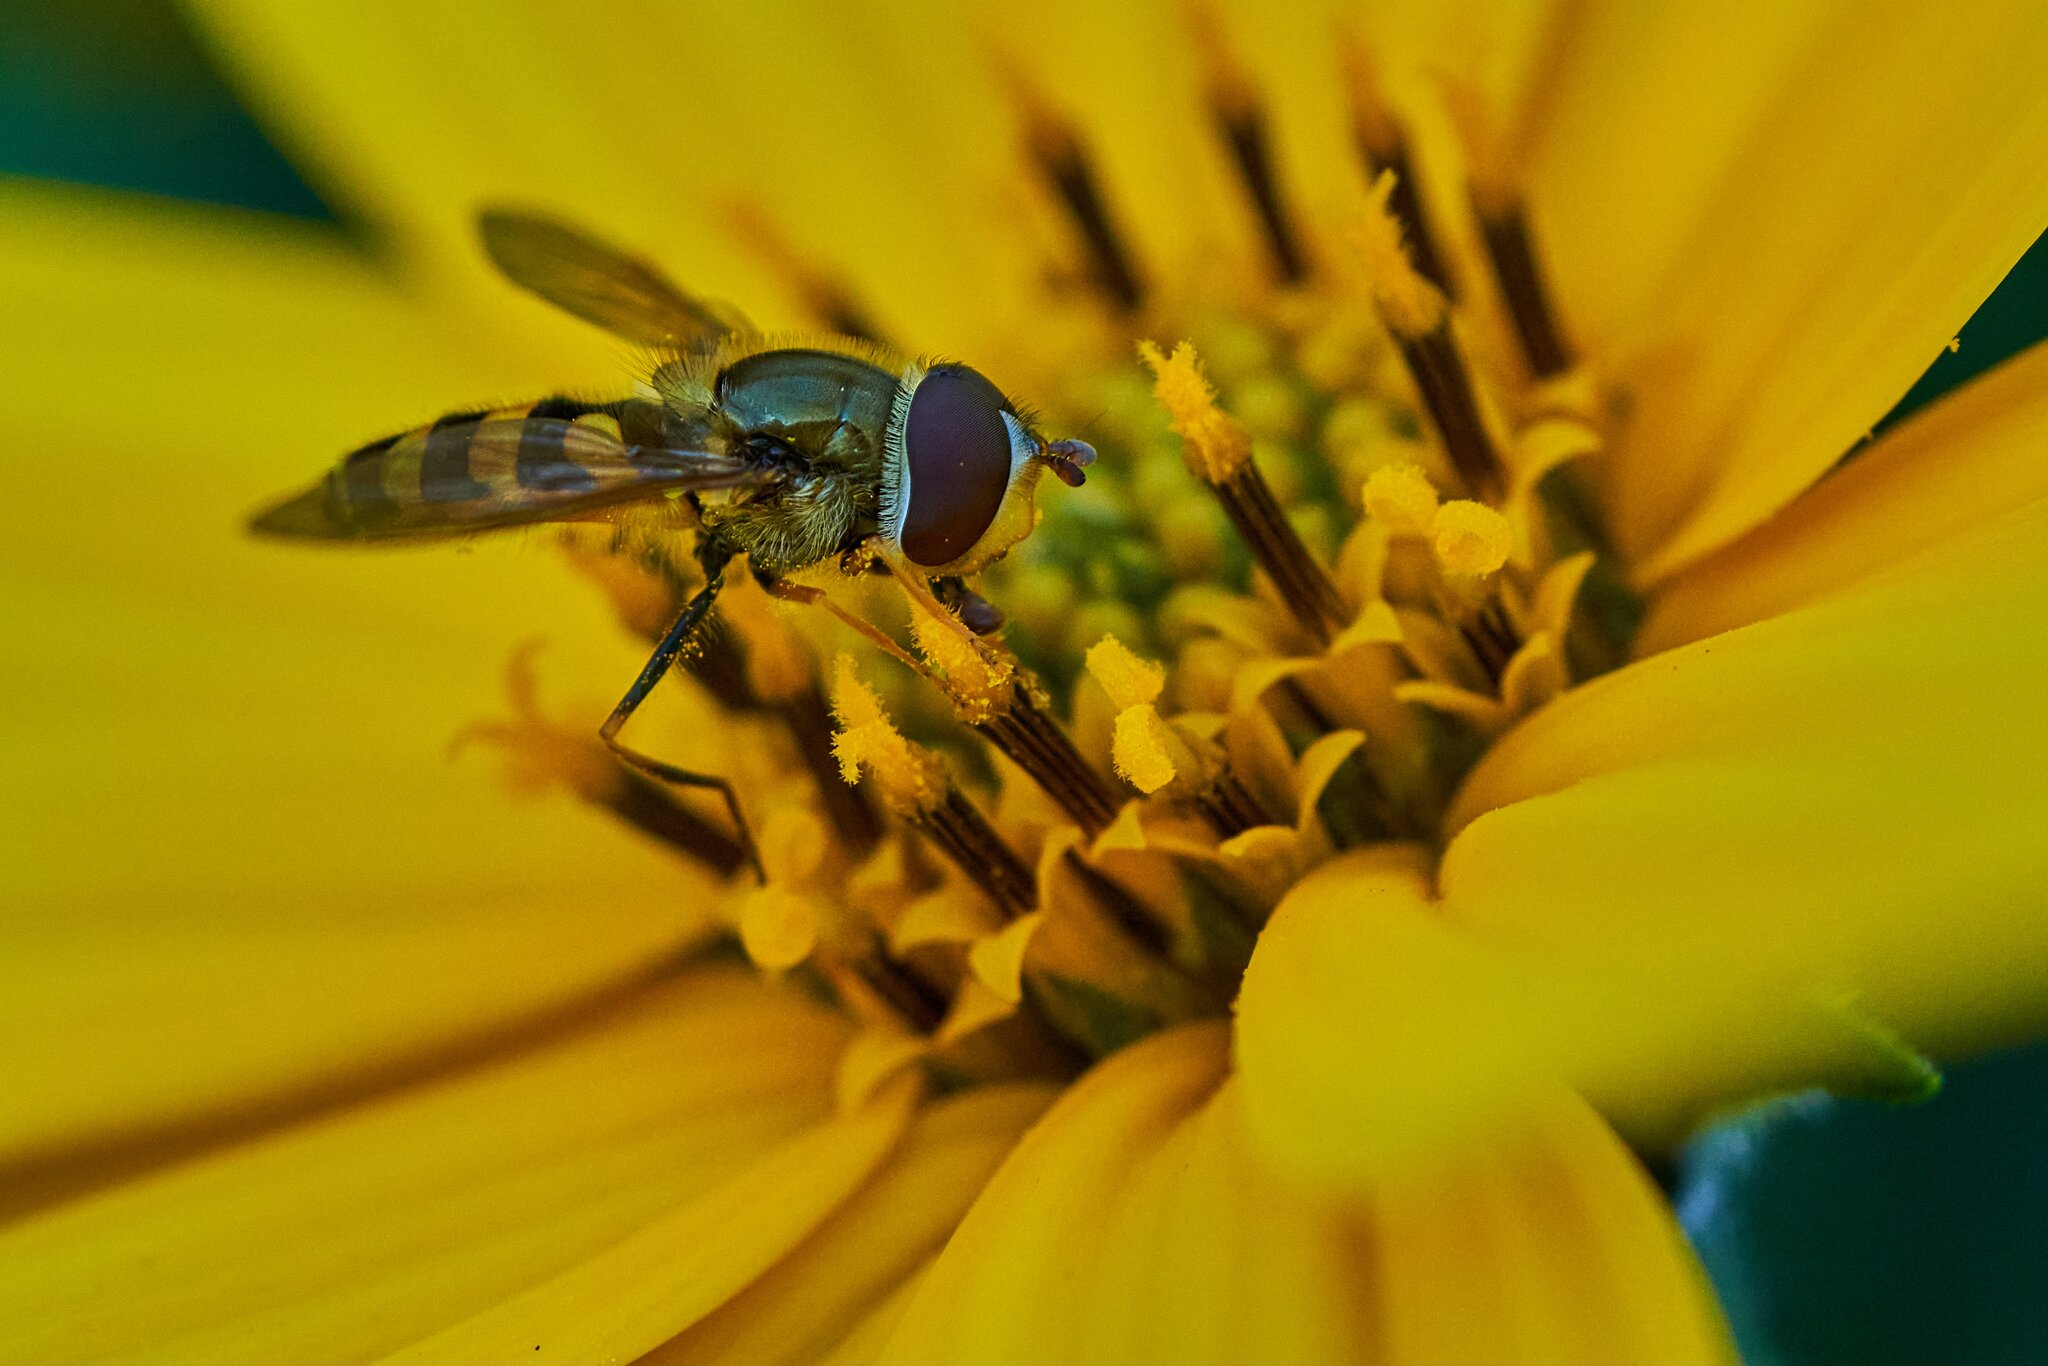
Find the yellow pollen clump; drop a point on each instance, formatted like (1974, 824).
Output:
(978, 683)
(1470, 538)
(909, 776)
(1143, 748)
(1409, 304)
(1401, 498)
(1214, 446)
(1146, 751)
(1129, 680)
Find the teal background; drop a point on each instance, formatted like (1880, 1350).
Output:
(1836, 1232)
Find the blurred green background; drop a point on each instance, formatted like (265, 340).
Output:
(1837, 1232)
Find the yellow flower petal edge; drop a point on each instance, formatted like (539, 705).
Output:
(1137, 1224)
(1722, 829)
(822, 1292)
(1974, 455)
(345, 1239)
(643, 1290)
(1766, 295)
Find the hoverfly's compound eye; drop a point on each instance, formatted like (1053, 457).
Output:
(957, 444)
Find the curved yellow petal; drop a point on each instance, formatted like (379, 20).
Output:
(649, 122)
(1356, 1036)
(1768, 224)
(820, 1293)
(1976, 454)
(348, 1238)
(1136, 1224)
(1844, 798)
(641, 1291)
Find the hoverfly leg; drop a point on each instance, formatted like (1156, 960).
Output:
(810, 596)
(687, 623)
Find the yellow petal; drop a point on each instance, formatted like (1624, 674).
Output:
(665, 1277)
(1356, 1036)
(1848, 796)
(353, 1236)
(1977, 453)
(818, 1295)
(367, 95)
(252, 868)
(1136, 1224)
(1769, 225)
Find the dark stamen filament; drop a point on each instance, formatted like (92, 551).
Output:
(960, 832)
(652, 809)
(1303, 585)
(1035, 743)
(1242, 121)
(1229, 807)
(1383, 146)
(1438, 367)
(921, 1004)
(1513, 253)
(1065, 165)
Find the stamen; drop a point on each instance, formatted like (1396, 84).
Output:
(998, 698)
(1055, 147)
(921, 1004)
(1470, 539)
(915, 785)
(653, 810)
(541, 754)
(725, 668)
(822, 296)
(1504, 226)
(1234, 101)
(1400, 498)
(1383, 147)
(1419, 318)
(1152, 755)
(1219, 453)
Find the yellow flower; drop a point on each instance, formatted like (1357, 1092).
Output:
(1549, 738)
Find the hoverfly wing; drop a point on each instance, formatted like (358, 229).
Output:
(557, 460)
(597, 282)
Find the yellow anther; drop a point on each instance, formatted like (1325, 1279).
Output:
(1214, 446)
(1129, 680)
(909, 776)
(1401, 498)
(1410, 305)
(1470, 538)
(778, 927)
(978, 682)
(1146, 751)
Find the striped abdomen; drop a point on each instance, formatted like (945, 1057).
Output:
(472, 470)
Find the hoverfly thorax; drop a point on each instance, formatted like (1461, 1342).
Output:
(960, 468)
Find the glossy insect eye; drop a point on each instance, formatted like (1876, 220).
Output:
(957, 446)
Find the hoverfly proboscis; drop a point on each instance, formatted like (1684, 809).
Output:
(788, 451)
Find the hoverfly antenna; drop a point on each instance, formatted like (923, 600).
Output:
(1068, 459)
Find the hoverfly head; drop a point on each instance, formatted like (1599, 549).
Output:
(960, 470)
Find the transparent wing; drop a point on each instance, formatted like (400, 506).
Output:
(599, 283)
(473, 472)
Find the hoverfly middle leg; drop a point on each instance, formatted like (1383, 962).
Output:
(687, 623)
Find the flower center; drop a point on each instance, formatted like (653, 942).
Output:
(1333, 547)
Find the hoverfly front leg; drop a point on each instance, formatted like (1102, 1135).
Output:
(810, 596)
(687, 623)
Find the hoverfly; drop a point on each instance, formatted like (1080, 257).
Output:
(788, 451)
